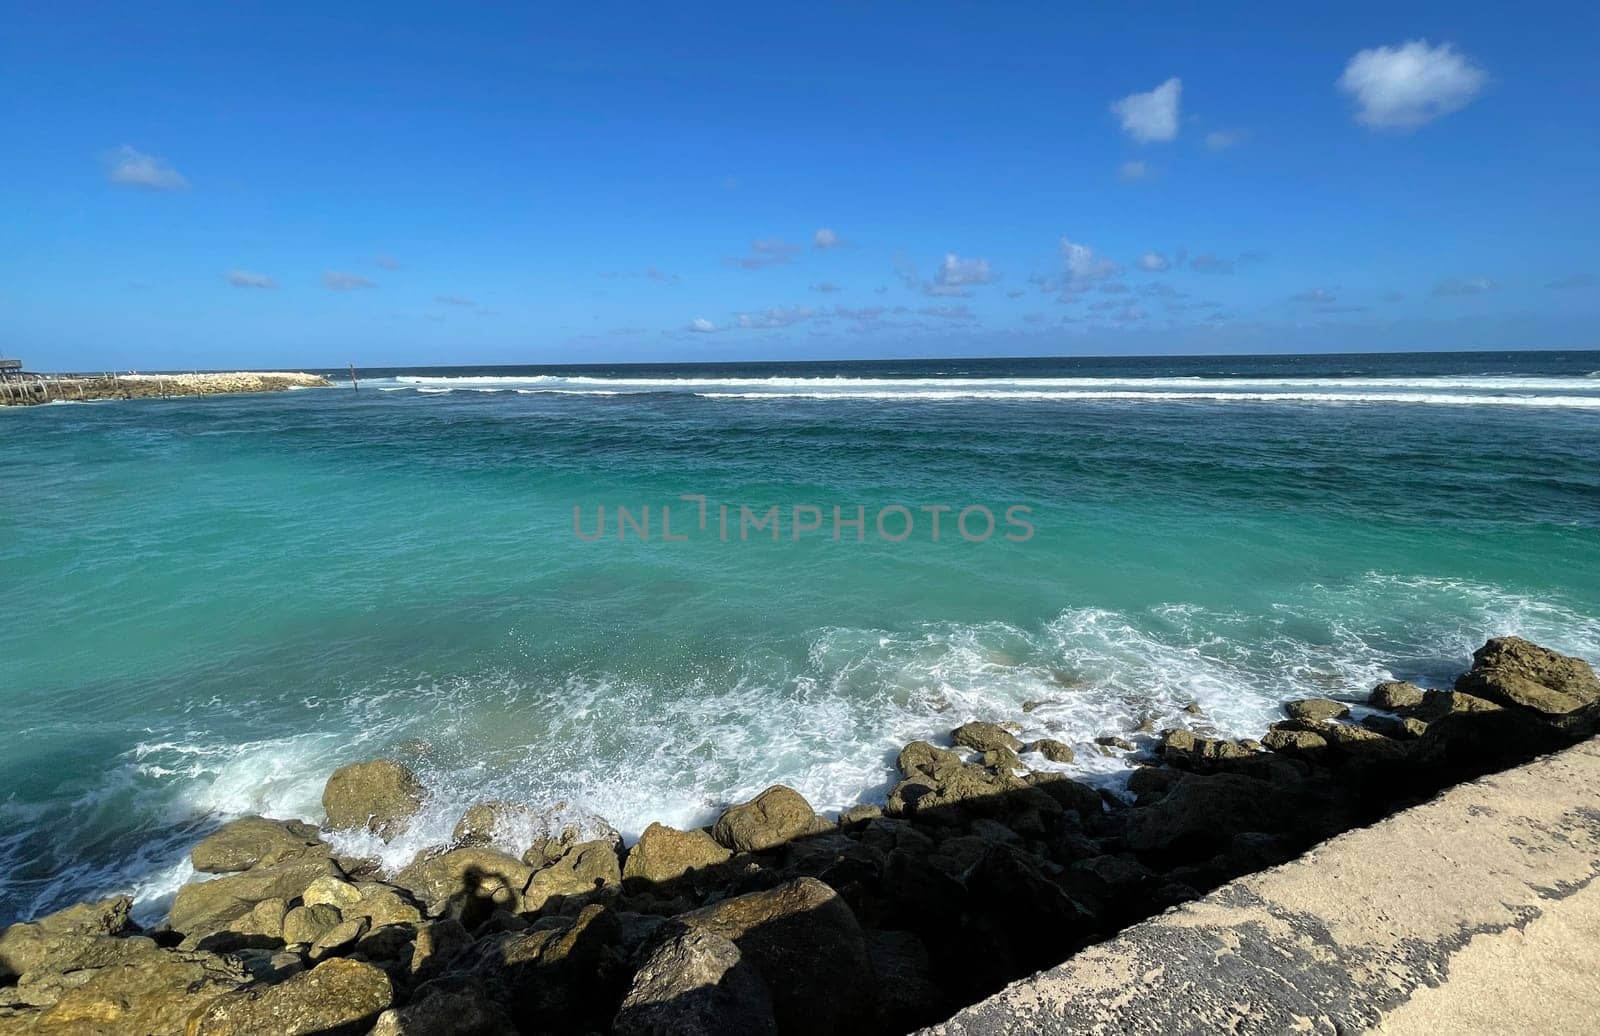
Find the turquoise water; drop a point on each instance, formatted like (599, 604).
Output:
(208, 604)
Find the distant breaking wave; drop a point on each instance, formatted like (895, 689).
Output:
(1555, 392)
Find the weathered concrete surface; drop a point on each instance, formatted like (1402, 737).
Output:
(1475, 912)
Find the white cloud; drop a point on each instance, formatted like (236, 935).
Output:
(246, 279)
(957, 272)
(771, 319)
(1153, 262)
(825, 238)
(1131, 171)
(1465, 286)
(1222, 140)
(133, 168)
(1082, 268)
(701, 325)
(333, 280)
(1151, 116)
(1401, 88)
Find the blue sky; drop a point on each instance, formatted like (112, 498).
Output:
(310, 185)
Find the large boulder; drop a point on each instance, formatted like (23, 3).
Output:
(446, 1014)
(1051, 749)
(255, 842)
(130, 985)
(909, 996)
(209, 906)
(1395, 695)
(985, 737)
(380, 795)
(466, 883)
(695, 983)
(772, 818)
(558, 976)
(922, 760)
(496, 825)
(60, 936)
(560, 827)
(665, 854)
(339, 997)
(808, 948)
(586, 869)
(1316, 709)
(305, 924)
(1512, 671)
(1199, 815)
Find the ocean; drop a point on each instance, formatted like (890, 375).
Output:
(207, 604)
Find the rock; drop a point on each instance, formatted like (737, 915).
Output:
(1184, 748)
(304, 925)
(695, 983)
(445, 1014)
(920, 759)
(1401, 728)
(1512, 671)
(1002, 760)
(1112, 741)
(1200, 814)
(985, 737)
(466, 883)
(209, 906)
(1005, 881)
(909, 996)
(664, 854)
(1437, 704)
(562, 972)
(586, 869)
(1395, 695)
(766, 821)
(384, 905)
(253, 842)
(559, 828)
(265, 918)
(139, 989)
(394, 942)
(498, 825)
(859, 815)
(1193, 708)
(1292, 741)
(1051, 749)
(58, 937)
(339, 939)
(1071, 794)
(1316, 709)
(271, 966)
(380, 795)
(438, 944)
(332, 891)
(807, 946)
(339, 997)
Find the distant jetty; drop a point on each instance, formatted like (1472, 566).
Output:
(32, 389)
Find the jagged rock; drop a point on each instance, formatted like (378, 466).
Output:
(133, 986)
(473, 881)
(1289, 740)
(909, 996)
(985, 737)
(304, 925)
(1401, 728)
(1006, 881)
(695, 983)
(254, 842)
(1182, 747)
(445, 1014)
(389, 942)
(271, 966)
(438, 944)
(922, 760)
(557, 972)
(265, 919)
(1200, 814)
(770, 819)
(340, 938)
(559, 828)
(807, 946)
(586, 868)
(332, 891)
(498, 825)
(383, 905)
(1395, 695)
(887, 834)
(1003, 760)
(57, 937)
(209, 906)
(859, 815)
(1437, 704)
(1071, 794)
(380, 795)
(339, 997)
(1513, 671)
(1113, 741)
(1316, 709)
(1051, 749)
(663, 854)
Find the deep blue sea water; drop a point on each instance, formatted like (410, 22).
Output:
(207, 604)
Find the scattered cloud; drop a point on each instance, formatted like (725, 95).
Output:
(1082, 268)
(1131, 172)
(247, 279)
(956, 272)
(1457, 286)
(334, 280)
(1015, 293)
(130, 167)
(763, 253)
(701, 325)
(649, 273)
(826, 287)
(1577, 280)
(1151, 116)
(453, 300)
(958, 312)
(1208, 263)
(770, 319)
(1160, 290)
(825, 238)
(1222, 140)
(388, 262)
(1313, 295)
(1153, 262)
(1401, 88)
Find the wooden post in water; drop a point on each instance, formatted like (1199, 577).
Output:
(353, 383)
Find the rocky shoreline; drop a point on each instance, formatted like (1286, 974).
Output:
(86, 388)
(976, 871)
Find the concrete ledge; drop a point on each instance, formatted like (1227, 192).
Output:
(1473, 912)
